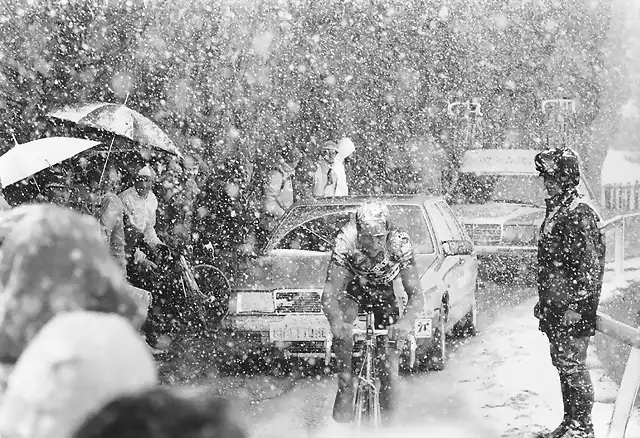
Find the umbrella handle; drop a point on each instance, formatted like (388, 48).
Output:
(110, 147)
(106, 160)
(36, 183)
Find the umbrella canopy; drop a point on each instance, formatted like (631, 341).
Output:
(27, 159)
(119, 120)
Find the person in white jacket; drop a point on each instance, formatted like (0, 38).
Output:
(278, 189)
(141, 206)
(345, 149)
(324, 179)
(330, 178)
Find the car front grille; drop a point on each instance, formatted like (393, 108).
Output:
(297, 302)
(484, 234)
(307, 347)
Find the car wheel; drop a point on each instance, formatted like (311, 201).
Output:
(468, 326)
(437, 356)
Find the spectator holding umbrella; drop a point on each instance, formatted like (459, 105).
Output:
(108, 209)
(140, 208)
(56, 191)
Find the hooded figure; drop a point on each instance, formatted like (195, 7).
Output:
(54, 260)
(571, 257)
(78, 362)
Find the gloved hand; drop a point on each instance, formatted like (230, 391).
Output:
(139, 256)
(399, 330)
(571, 317)
(342, 330)
(536, 310)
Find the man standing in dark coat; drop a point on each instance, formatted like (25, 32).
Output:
(571, 252)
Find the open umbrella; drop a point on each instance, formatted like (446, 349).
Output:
(120, 120)
(27, 159)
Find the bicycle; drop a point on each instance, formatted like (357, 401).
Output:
(206, 285)
(366, 401)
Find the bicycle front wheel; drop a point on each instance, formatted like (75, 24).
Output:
(366, 407)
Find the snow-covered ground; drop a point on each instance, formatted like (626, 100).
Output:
(498, 384)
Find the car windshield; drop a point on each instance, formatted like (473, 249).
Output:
(473, 188)
(314, 228)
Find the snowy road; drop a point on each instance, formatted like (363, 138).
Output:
(498, 384)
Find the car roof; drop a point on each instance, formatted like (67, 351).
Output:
(499, 161)
(359, 199)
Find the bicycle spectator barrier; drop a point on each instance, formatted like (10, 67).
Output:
(628, 390)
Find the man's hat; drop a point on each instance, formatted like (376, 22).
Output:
(146, 171)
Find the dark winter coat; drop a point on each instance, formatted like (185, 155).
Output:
(221, 219)
(571, 257)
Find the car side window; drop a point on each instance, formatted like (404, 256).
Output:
(410, 218)
(451, 221)
(442, 229)
(317, 235)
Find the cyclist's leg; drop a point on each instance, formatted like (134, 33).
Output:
(343, 349)
(387, 313)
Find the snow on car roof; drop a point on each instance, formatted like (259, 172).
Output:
(620, 167)
(499, 161)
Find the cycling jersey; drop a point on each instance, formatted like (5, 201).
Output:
(396, 256)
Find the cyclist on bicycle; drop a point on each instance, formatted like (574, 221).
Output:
(369, 253)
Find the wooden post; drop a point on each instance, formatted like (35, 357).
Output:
(627, 394)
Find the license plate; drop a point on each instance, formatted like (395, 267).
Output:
(295, 332)
(422, 328)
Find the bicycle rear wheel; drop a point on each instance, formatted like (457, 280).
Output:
(215, 289)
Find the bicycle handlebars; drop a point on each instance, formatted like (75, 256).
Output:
(376, 332)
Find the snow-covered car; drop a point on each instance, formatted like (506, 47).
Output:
(500, 199)
(275, 310)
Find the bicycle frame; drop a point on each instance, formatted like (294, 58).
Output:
(367, 394)
(189, 281)
(366, 402)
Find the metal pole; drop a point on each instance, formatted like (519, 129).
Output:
(627, 394)
(619, 251)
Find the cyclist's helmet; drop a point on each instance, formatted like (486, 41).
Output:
(560, 164)
(373, 218)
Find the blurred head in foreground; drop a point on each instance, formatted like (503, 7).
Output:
(54, 260)
(76, 364)
(162, 413)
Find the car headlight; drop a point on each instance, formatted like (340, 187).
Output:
(519, 234)
(251, 302)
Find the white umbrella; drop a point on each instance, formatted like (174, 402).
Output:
(27, 159)
(120, 120)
